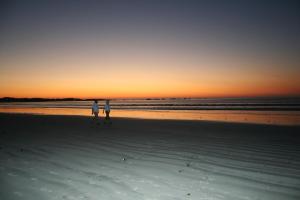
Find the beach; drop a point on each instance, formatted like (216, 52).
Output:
(71, 157)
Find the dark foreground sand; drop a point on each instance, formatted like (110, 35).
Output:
(70, 157)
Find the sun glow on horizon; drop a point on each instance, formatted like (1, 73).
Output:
(136, 75)
(109, 50)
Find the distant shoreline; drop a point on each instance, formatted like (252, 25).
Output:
(38, 99)
(12, 99)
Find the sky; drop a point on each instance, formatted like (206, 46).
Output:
(167, 48)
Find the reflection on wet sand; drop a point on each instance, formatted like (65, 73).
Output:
(261, 117)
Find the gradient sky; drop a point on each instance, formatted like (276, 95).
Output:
(149, 48)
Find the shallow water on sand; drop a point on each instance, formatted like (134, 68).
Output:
(244, 116)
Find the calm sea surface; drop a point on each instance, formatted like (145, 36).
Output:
(250, 110)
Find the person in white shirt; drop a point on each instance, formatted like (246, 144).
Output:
(107, 111)
(95, 109)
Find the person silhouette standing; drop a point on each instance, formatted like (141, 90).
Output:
(106, 109)
(95, 111)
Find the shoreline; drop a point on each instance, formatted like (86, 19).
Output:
(137, 119)
(287, 118)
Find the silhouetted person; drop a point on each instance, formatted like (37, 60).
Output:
(95, 110)
(107, 111)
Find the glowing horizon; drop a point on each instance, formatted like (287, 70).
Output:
(123, 50)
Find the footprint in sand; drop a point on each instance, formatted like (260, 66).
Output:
(69, 181)
(83, 197)
(52, 172)
(26, 162)
(135, 189)
(11, 174)
(92, 182)
(17, 193)
(43, 189)
(68, 197)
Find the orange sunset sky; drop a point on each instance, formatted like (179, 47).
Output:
(148, 49)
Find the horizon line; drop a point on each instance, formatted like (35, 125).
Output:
(199, 97)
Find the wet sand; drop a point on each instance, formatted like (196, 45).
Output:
(71, 157)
